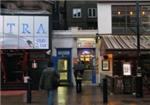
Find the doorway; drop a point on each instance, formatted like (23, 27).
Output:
(87, 55)
(63, 65)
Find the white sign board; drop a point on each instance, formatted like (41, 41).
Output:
(24, 32)
(127, 69)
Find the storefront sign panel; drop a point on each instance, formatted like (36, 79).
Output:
(24, 32)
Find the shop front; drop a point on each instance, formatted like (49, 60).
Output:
(24, 43)
(119, 63)
(86, 52)
(71, 45)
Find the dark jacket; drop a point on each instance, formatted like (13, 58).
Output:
(49, 79)
(78, 69)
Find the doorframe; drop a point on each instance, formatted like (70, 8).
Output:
(69, 58)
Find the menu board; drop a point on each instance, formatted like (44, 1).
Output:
(127, 69)
(24, 32)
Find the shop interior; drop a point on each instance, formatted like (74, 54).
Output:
(87, 55)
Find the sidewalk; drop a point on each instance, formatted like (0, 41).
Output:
(91, 95)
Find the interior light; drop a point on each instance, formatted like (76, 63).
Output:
(119, 12)
(143, 12)
(85, 52)
(131, 13)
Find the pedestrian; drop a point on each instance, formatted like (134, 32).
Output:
(49, 81)
(78, 73)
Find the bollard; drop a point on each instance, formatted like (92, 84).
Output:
(29, 95)
(105, 94)
(139, 87)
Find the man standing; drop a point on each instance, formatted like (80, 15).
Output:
(49, 81)
(78, 72)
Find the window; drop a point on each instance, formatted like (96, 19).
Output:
(76, 12)
(92, 12)
(124, 19)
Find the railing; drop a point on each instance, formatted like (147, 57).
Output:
(121, 84)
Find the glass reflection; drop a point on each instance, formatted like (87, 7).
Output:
(62, 95)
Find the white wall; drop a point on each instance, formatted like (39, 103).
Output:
(63, 42)
(104, 18)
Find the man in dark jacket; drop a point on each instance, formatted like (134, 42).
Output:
(78, 73)
(49, 81)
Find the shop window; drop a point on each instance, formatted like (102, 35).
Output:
(87, 55)
(124, 19)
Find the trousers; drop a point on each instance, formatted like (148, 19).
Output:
(50, 97)
(78, 86)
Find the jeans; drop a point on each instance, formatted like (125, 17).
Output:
(51, 97)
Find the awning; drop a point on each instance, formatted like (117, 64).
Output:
(125, 42)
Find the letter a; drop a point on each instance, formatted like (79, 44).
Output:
(40, 29)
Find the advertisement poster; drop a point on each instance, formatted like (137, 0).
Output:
(105, 65)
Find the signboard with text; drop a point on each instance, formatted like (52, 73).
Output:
(24, 32)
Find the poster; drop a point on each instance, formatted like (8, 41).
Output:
(126, 69)
(105, 65)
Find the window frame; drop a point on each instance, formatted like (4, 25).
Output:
(92, 13)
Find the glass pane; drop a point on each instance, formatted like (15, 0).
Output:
(94, 12)
(63, 76)
(62, 64)
(76, 12)
(90, 13)
(1, 42)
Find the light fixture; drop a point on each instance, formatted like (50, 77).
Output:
(98, 37)
(143, 12)
(131, 13)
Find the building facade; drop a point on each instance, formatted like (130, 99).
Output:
(119, 33)
(121, 17)
(82, 14)
(21, 60)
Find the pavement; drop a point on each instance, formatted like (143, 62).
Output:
(91, 95)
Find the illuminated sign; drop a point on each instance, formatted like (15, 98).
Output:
(24, 32)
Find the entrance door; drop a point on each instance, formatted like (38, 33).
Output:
(87, 55)
(62, 67)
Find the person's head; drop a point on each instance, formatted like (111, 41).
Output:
(50, 64)
(82, 62)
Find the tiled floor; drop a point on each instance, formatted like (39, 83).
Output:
(91, 95)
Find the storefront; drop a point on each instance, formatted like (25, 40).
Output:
(119, 63)
(70, 45)
(24, 43)
(86, 52)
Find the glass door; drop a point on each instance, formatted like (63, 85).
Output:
(62, 66)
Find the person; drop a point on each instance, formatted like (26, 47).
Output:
(78, 72)
(49, 81)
